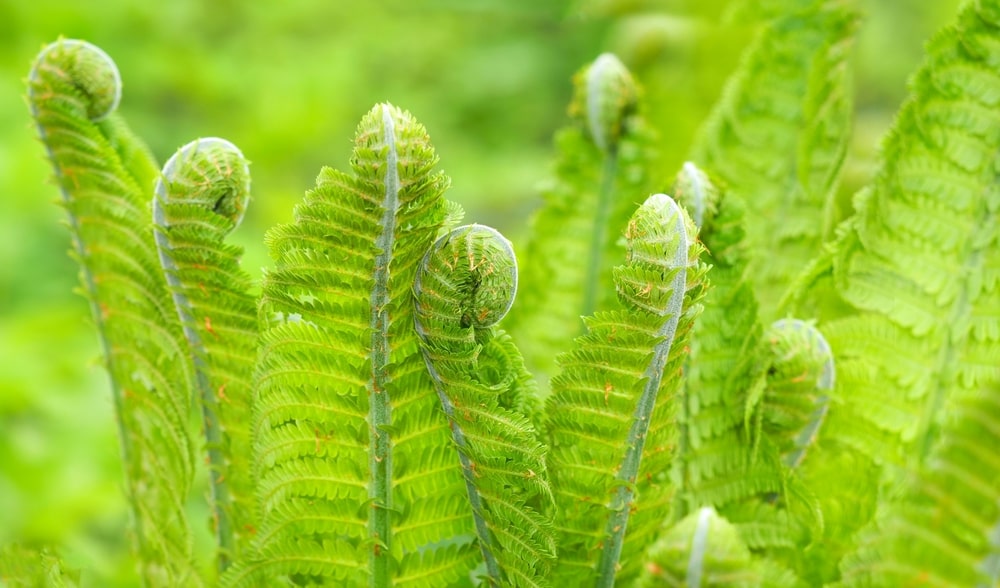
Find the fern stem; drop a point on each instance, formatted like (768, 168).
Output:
(475, 499)
(598, 236)
(621, 505)
(380, 417)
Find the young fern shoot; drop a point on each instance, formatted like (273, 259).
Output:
(200, 198)
(611, 413)
(105, 176)
(604, 161)
(465, 284)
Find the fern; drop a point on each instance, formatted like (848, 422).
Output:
(918, 261)
(200, 198)
(704, 550)
(355, 481)
(943, 529)
(602, 167)
(778, 135)
(25, 567)
(916, 267)
(714, 464)
(610, 416)
(465, 284)
(103, 172)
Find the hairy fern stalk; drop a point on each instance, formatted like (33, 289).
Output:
(734, 391)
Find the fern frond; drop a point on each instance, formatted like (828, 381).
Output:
(465, 285)
(919, 261)
(944, 530)
(611, 414)
(355, 484)
(101, 170)
(603, 163)
(778, 135)
(199, 199)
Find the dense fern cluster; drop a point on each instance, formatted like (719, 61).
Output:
(732, 391)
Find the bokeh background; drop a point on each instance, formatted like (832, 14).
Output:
(287, 82)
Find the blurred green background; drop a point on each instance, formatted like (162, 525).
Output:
(287, 82)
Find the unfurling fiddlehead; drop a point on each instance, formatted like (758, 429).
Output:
(200, 198)
(105, 175)
(465, 285)
(800, 376)
(611, 413)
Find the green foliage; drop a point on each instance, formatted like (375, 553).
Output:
(942, 530)
(779, 134)
(364, 420)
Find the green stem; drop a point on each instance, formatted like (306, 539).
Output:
(380, 417)
(592, 285)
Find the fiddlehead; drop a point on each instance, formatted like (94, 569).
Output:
(465, 285)
(604, 160)
(200, 198)
(714, 465)
(701, 550)
(800, 376)
(101, 170)
(611, 414)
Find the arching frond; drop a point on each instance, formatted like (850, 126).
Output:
(466, 284)
(103, 172)
(779, 133)
(199, 199)
(355, 481)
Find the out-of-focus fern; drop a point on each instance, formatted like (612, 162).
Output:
(464, 286)
(24, 567)
(918, 266)
(357, 482)
(919, 261)
(705, 550)
(944, 530)
(611, 413)
(201, 197)
(105, 175)
(603, 168)
(778, 135)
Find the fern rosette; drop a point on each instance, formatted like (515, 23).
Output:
(611, 414)
(465, 285)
